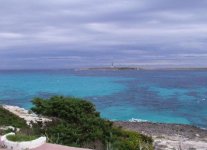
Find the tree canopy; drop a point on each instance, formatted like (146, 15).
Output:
(77, 123)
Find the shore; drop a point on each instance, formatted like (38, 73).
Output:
(170, 136)
(165, 136)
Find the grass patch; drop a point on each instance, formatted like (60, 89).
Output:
(9, 119)
(20, 138)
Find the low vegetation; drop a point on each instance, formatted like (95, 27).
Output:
(9, 119)
(20, 137)
(77, 123)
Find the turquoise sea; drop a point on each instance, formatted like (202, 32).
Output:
(157, 96)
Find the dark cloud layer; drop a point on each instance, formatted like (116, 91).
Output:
(66, 33)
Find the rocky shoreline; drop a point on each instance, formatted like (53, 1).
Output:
(170, 136)
(165, 136)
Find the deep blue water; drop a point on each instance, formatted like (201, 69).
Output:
(158, 96)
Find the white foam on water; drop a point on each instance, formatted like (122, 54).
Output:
(137, 120)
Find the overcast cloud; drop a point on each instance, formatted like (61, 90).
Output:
(81, 33)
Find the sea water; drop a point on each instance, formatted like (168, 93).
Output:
(157, 96)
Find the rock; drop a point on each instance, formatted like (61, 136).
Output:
(170, 136)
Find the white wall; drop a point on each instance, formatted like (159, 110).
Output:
(22, 145)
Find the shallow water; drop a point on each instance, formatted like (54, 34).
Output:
(158, 96)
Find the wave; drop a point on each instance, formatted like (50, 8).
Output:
(204, 99)
(203, 128)
(137, 120)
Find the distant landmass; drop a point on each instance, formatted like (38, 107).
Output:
(112, 68)
(139, 68)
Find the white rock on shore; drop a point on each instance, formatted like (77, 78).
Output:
(25, 114)
(178, 143)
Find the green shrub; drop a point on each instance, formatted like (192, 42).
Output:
(20, 137)
(129, 140)
(77, 123)
(5, 131)
(9, 119)
(71, 109)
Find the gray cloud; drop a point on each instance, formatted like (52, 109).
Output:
(66, 33)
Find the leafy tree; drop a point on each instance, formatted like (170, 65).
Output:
(77, 123)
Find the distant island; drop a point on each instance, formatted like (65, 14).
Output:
(117, 68)
(112, 68)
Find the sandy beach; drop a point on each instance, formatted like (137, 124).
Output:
(170, 136)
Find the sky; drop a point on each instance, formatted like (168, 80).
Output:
(83, 33)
